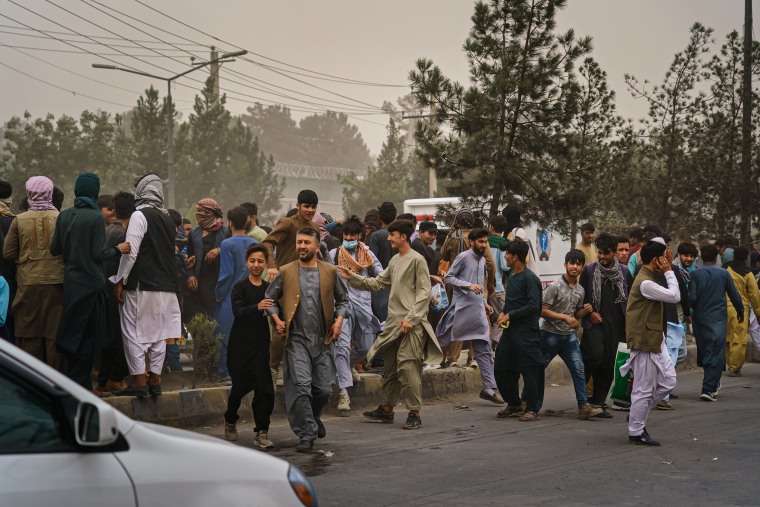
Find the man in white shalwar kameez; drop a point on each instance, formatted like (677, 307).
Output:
(146, 287)
(654, 375)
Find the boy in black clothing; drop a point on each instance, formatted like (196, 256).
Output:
(248, 349)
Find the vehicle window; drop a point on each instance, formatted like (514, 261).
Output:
(30, 420)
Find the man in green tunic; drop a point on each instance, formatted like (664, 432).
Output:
(408, 339)
(80, 235)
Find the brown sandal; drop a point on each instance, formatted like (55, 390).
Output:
(510, 411)
(529, 416)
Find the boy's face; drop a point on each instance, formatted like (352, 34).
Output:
(622, 253)
(109, 215)
(428, 237)
(573, 268)
(396, 239)
(588, 237)
(188, 228)
(306, 211)
(256, 263)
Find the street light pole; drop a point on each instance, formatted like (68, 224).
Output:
(226, 57)
(170, 142)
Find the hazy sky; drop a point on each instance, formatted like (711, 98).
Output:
(373, 41)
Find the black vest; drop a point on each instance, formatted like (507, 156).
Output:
(155, 268)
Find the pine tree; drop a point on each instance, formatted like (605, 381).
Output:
(491, 138)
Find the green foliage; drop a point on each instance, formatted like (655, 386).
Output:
(215, 155)
(492, 139)
(394, 177)
(205, 347)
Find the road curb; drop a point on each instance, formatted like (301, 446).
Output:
(198, 407)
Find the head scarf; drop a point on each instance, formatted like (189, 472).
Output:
(5, 207)
(150, 192)
(463, 218)
(39, 193)
(86, 190)
(209, 215)
(320, 221)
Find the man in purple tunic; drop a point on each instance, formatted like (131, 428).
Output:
(466, 318)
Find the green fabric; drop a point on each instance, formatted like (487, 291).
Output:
(86, 191)
(496, 241)
(621, 387)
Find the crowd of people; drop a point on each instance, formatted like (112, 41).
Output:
(101, 291)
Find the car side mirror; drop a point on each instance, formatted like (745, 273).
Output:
(95, 425)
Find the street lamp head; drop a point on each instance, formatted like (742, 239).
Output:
(104, 66)
(234, 54)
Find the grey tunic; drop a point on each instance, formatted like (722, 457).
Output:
(309, 369)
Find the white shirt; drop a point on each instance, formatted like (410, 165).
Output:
(138, 226)
(656, 292)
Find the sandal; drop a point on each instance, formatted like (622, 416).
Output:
(510, 411)
(529, 416)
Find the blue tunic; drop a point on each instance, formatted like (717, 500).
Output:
(466, 318)
(707, 292)
(232, 269)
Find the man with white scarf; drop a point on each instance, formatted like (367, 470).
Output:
(653, 370)
(146, 287)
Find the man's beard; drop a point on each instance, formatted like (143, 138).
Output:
(478, 252)
(307, 257)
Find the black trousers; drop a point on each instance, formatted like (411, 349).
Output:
(113, 363)
(260, 382)
(81, 361)
(599, 351)
(507, 369)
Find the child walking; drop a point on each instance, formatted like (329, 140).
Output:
(248, 349)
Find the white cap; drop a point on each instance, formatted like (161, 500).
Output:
(659, 240)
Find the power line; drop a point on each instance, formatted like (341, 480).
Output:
(128, 46)
(99, 36)
(88, 78)
(229, 70)
(64, 89)
(347, 80)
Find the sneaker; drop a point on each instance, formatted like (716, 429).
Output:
(431, 367)
(619, 406)
(708, 397)
(413, 422)
(355, 375)
(587, 411)
(230, 431)
(472, 363)
(603, 414)
(379, 415)
(262, 440)
(344, 402)
(664, 405)
(643, 439)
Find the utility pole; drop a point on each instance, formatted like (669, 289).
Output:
(214, 68)
(746, 167)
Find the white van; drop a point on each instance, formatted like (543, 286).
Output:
(548, 248)
(61, 445)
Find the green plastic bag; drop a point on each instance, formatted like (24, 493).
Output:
(621, 387)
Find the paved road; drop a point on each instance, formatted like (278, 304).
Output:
(710, 454)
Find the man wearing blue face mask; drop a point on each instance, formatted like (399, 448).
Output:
(360, 330)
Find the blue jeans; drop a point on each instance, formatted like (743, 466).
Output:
(567, 347)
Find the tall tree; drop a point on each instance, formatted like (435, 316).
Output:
(491, 138)
(149, 129)
(674, 106)
(277, 132)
